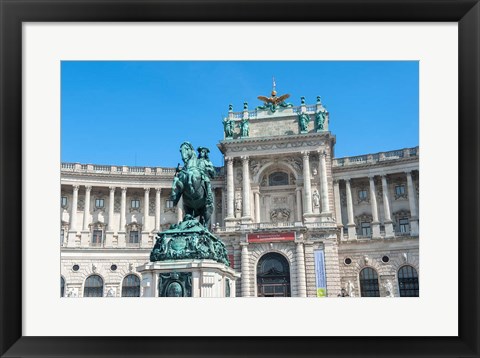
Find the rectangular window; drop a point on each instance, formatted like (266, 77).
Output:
(64, 201)
(97, 237)
(400, 190)
(62, 237)
(135, 204)
(169, 204)
(366, 230)
(362, 195)
(133, 238)
(404, 225)
(99, 203)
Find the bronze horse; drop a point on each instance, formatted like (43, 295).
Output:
(188, 183)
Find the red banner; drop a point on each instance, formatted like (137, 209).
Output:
(271, 237)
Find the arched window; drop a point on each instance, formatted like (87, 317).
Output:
(62, 286)
(273, 276)
(93, 286)
(369, 283)
(131, 286)
(278, 178)
(408, 281)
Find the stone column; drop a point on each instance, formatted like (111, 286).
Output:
(413, 205)
(146, 203)
(373, 202)
(223, 208)
(257, 206)
(245, 270)
(111, 203)
(157, 208)
(352, 232)
(301, 278)
(306, 182)
(299, 203)
(324, 182)
(123, 210)
(72, 233)
(246, 190)
(230, 188)
(86, 212)
(73, 215)
(386, 207)
(338, 206)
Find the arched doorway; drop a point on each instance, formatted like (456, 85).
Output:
(273, 276)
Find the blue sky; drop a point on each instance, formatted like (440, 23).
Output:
(139, 112)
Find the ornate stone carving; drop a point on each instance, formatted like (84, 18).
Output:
(280, 215)
(151, 207)
(117, 205)
(81, 204)
(316, 199)
(188, 240)
(175, 284)
(388, 287)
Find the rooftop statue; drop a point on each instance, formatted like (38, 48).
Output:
(303, 120)
(320, 118)
(192, 182)
(228, 127)
(273, 102)
(244, 127)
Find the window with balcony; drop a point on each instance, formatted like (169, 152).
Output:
(404, 225)
(366, 229)
(97, 237)
(400, 191)
(133, 238)
(64, 202)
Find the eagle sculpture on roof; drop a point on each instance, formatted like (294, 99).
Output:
(273, 102)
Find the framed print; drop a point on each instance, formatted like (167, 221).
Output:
(122, 229)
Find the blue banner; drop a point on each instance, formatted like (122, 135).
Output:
(320, 273)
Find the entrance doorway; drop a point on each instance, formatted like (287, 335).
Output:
(273, 276)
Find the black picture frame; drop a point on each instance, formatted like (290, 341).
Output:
(14, 12)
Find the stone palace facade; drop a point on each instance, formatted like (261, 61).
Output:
(296, 221)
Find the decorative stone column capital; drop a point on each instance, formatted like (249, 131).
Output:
(305, 154)
(245, 158)
(88, 187)
(76, 187)
(244, 245)
(336, 181)
(348, 180)
(124, 189)
(322, 153)
(158, 190)
(147, 190)
(229, 160)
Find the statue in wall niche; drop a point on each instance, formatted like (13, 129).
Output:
(388, 288)
(320, 118)
(238, 204)
(244, 127)
(111, 292)
(303, 120)
(316, 198)
(228, 127)
(350, 289)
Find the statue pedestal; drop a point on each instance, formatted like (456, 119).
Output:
(188, 278)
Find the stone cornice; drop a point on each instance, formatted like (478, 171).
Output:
(278, 143)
